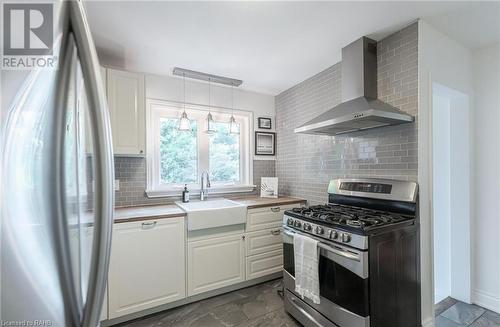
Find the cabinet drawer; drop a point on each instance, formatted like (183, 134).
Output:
(263, 241)
(264, 264)
(268, 217)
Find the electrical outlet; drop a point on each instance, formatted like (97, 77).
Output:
(117, 184)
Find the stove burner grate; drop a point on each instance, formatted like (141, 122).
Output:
(355, 217)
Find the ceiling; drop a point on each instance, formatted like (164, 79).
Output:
(271, 46)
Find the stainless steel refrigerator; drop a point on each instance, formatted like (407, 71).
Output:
(57, 184)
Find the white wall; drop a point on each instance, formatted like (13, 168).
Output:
(486, 190)
(441, 196)
(444, 61)
(170, 88)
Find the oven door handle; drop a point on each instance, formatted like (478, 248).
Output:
(344, 254)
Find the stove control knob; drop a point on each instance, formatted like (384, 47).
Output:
(319, 230)
(297, 224)
(333, 234)
(289, 222)
(346, 238)
(307, 227)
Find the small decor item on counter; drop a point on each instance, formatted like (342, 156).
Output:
(265, 143)
(264, 123)
(185, 194)
(269, 187)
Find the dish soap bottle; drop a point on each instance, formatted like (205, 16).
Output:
(185, 194)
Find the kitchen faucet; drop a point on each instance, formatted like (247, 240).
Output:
(204, 191)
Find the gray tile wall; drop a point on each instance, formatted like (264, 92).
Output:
(306, 163)
(132, 175)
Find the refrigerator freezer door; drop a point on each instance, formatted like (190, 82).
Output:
(57, 195)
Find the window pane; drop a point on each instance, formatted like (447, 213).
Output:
(178, 153)
(224, 155)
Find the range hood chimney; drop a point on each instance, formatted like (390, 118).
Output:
(360, 109)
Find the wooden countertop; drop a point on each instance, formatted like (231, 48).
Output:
(150, 212)
(256, 201)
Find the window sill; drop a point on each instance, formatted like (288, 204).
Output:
(196, 192)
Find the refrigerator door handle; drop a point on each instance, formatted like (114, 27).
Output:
(60, 227)
(104, 169)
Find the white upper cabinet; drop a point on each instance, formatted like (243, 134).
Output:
(126, 103)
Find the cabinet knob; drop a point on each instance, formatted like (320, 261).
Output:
(242, 237)
(275, 209)
(275, 231)
(142, 151)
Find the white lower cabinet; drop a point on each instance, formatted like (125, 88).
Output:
(264, 248)
(264, 241)
(147, 266)
(264, 264)
(215, 262)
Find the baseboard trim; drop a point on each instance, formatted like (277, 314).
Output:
(190, 299)
(428, 322)
(486, 300)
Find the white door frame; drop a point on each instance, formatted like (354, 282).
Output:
(425, 180)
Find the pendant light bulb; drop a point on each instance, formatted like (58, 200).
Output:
(184, 123)
(210, 120)
(233, 126)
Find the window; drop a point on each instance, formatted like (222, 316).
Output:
(224, 152)
(175, 158)
(178, 155)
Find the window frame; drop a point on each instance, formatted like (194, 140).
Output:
(157, 109)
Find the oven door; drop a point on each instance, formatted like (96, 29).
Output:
(343, 278)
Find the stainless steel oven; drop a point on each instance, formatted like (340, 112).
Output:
(344, 287)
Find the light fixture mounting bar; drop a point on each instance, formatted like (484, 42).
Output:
(206, 77)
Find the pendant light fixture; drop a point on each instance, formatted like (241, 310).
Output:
(210, 121)
(184, 123)
(233, 126)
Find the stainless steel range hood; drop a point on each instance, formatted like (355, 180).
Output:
(360, 109)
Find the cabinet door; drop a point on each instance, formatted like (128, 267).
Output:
(126, 108)
(147, 266)
(216, 262)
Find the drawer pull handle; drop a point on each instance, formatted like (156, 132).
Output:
(148, 225)
(275, 209)
(275, 231)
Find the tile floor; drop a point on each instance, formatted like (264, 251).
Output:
(261, 306)
(453, 313)
(256, 306)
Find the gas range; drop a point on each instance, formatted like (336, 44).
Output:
(343, 223)
(356, 209)
(367, 238)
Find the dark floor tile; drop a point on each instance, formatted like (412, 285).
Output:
(230, 314)
(278, 318)
(444, 305)
(463, 313)
(493, 316)
(226, 310)
(445, 322)
(488, 319)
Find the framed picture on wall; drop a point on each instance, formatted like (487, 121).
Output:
(264, 123)
(265, 143)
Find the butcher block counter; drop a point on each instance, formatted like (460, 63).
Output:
(150, 212)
